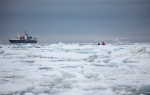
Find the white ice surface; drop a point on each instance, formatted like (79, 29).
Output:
(74, 69)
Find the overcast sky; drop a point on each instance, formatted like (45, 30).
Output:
(53, 21)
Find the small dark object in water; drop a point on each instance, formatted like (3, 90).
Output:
(103, 43)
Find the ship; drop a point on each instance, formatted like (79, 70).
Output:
(22, 39)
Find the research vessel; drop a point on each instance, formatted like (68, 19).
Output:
(22, 39)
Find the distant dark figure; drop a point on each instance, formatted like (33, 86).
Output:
(103, 43)
(98, 44)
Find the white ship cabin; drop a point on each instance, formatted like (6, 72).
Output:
(16, 37)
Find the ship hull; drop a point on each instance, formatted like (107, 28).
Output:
(22, 41)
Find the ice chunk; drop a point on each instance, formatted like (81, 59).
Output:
(89, 74)
(129, 61)
(138, 50)
(67, 74)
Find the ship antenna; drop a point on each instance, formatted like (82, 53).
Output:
(25, 32)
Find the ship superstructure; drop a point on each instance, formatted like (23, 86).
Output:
(22, 39)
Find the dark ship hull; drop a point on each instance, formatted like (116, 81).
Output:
(22, 41)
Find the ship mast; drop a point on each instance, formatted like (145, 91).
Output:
(26, 33)
(18, 33)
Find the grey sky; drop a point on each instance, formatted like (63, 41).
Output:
(52, 21)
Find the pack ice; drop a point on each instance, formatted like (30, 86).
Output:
(75, 69)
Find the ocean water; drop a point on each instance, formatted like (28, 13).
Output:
(75, 69)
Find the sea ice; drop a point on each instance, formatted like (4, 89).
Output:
(75, 69)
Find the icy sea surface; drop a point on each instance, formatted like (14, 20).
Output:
(75, 69)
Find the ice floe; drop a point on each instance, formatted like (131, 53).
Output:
(75, 69)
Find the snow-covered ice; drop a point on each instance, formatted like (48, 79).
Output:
(75, 69)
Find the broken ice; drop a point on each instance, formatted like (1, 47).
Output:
(74, 69)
